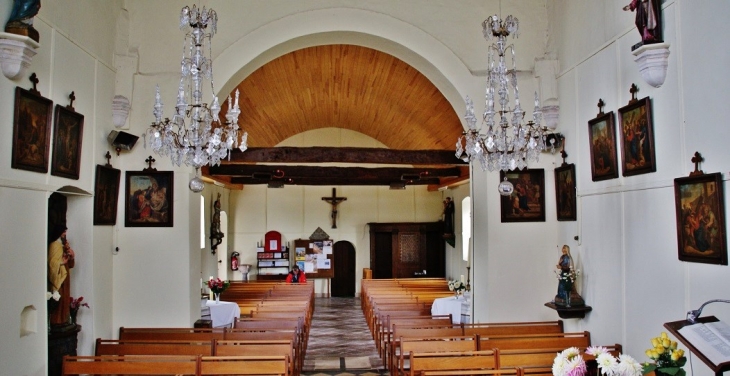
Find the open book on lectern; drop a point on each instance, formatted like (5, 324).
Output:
(710, 338)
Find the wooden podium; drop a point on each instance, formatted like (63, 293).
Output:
(674, 327)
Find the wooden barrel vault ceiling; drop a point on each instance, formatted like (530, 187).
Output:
(350, 87)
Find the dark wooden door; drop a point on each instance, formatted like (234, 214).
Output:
(405, 250)
(343, 283)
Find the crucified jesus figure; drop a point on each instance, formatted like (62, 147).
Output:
(334, 201)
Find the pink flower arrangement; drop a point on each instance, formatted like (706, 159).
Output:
(217, 285)
(77, 303)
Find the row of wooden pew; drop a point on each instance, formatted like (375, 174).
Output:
(411, 341)
(270, 338)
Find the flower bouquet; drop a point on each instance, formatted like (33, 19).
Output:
(75, 305)
(569, 362)
(217, 286)
(668, 359)
(457, 287)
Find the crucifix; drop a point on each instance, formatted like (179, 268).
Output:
(334, 201)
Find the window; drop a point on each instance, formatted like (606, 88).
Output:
(465, 227)
(202, 222)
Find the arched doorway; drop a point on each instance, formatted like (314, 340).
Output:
(343, 283)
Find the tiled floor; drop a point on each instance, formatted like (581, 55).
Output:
(339, 341)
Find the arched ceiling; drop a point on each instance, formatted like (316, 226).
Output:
(346, 86)
(350, 87)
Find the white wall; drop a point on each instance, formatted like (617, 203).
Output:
(627, 231)
(74, 56)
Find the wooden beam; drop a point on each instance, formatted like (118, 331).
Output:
(322, 175)
(345, 155)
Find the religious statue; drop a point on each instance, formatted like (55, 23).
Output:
(567, 274)
(648, 19)
(216, 235)
(448, 215)
(21, 18)
(61, 258)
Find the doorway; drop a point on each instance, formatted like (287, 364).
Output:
(343, 282)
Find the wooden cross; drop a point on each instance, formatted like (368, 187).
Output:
(697, 159)
(563, 154)
(34, 80)
(633, 90)
(72, 97)
(108, 158)
(334, 201)
(600, 106)
(149, 162)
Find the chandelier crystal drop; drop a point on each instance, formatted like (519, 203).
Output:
(508, 144)
(195, 135)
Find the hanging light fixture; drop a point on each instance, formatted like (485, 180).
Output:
(196, 141)
(508, 144)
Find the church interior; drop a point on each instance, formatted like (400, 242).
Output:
(352, 111)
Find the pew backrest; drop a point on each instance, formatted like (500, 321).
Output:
(130, 365)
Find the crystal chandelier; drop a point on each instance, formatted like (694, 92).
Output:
(508, 144)
(190, 136)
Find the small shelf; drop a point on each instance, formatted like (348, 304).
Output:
(570, 312)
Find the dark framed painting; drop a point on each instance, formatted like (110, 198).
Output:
(637, 138)
(602, 136)
(149, 198)
(526, 203)
(31, 131)
(68, 131)
(565, 192)
(700, 209)
(106, 195)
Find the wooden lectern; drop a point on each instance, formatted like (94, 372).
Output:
(674, 327)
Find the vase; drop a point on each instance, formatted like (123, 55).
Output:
(217, 297)
(73, 313)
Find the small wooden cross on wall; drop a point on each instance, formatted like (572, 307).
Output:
(334, 201)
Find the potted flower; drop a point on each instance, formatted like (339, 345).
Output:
(668, 359)
(74, 307)
(217, 286)
(569, 362)
(457, 287)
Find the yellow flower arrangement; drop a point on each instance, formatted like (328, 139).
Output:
(668, 359)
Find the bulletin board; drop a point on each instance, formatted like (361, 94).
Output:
(307, 251)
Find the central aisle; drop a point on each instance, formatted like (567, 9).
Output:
(339, 340)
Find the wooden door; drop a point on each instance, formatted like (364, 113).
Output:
(343, 282)
(399, 250)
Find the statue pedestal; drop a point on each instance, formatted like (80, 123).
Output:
(61, 341)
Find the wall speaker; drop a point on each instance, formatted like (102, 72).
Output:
(122, 140)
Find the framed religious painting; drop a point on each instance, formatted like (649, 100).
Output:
(106, 195)
(31, 131)
(602, 137)
(565, 192)
(700, 210)
(148, 199)
(68, 130)
(637, 138)
(526, 203)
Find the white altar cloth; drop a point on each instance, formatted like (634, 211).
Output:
(450, 305)
(223, 314)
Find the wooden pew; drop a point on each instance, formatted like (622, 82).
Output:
(429, 345)
(535, 341)
(258, 348)
(245, 365)
(536, 358)
(149, 347)
(130, 365)
(451, 361)
(177, 334)
(514, 328)
(393, 347)
(384, 332)
(495, 372)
